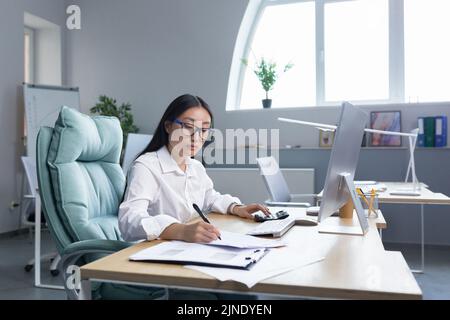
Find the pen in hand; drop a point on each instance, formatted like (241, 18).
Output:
(202, 216)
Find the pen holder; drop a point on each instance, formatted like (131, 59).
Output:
(373, 212)
(346, 211)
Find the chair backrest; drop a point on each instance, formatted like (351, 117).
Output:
(57, 228)
(80, 180)
(274, 179)
(29, 165)
(136, 143)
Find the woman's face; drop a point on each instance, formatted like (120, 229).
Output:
(188, 132)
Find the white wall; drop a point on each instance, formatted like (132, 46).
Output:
(11, 106)
(149, 52)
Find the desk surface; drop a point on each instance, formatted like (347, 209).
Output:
(354, 267)
(379, 221)
(427, 196)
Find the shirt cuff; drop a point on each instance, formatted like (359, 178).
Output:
(232, 206)
(223, 203)
(154, 226)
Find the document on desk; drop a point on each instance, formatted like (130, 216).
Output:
(179, 252)
(277, 262)
(243, 241)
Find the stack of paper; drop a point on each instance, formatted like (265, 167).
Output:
(242, 258)
(276, 262)
(237, 240)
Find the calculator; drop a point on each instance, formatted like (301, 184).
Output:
(261, 217)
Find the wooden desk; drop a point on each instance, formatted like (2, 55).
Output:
(354, 267)
(379, 221)
(427, 197)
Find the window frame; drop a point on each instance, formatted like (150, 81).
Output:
(396, 48)
(30, 32)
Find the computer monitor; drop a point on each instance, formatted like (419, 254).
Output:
(339, 187)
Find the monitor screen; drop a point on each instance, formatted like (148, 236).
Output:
(343, 160)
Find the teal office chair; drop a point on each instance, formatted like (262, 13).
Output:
(81, 186)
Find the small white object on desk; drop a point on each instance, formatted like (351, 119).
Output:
(405, 192)
(365, 183)
(306, 222)
(312, 211)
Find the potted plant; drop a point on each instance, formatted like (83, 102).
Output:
(267, 74)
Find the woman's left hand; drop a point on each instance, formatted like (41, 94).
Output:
(245, 211)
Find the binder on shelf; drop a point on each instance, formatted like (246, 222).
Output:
(421, 136)
(429, 131)
(441, 131)
(178, 252)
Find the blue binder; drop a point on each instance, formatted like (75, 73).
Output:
(421, 136)
(441, 132)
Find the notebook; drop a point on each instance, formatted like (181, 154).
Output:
(178, 252)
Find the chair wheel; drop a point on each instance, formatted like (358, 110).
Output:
(54, 272)
(28, 267)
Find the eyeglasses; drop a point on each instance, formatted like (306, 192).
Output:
(191, 130)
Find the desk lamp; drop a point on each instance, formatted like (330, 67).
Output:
(412, 139)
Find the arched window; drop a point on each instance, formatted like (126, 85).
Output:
(284, 34)
(363, 51)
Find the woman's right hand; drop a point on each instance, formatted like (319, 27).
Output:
(200, 232)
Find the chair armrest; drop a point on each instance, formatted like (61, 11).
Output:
(97, 245)
(72, 253)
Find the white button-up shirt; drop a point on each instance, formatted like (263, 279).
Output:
(159, 194)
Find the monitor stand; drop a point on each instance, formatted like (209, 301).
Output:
(345, 223)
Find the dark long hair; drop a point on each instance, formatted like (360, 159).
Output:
(173, 111)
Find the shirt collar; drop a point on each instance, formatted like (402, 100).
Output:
(168, 163)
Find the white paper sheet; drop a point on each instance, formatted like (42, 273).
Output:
(276, 262)
(194, 253)
(243, 241)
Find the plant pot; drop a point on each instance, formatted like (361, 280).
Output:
(267, 103)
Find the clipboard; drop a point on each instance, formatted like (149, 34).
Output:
(178, 252)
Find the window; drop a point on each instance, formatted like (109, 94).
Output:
(28, 55)
(43, 51)
(356, 50)
(286, 33)
(363, 51)
(427, 50)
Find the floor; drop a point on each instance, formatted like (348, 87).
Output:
(15, 283)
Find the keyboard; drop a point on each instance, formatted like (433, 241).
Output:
(276, 228)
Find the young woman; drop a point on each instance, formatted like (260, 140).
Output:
(165, 182)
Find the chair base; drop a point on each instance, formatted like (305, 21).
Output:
(53, 257)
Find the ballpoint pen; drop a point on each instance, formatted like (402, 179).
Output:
(361, 193)
(203, 216)
(372, 198)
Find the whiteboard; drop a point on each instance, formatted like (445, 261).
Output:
(42, 107)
